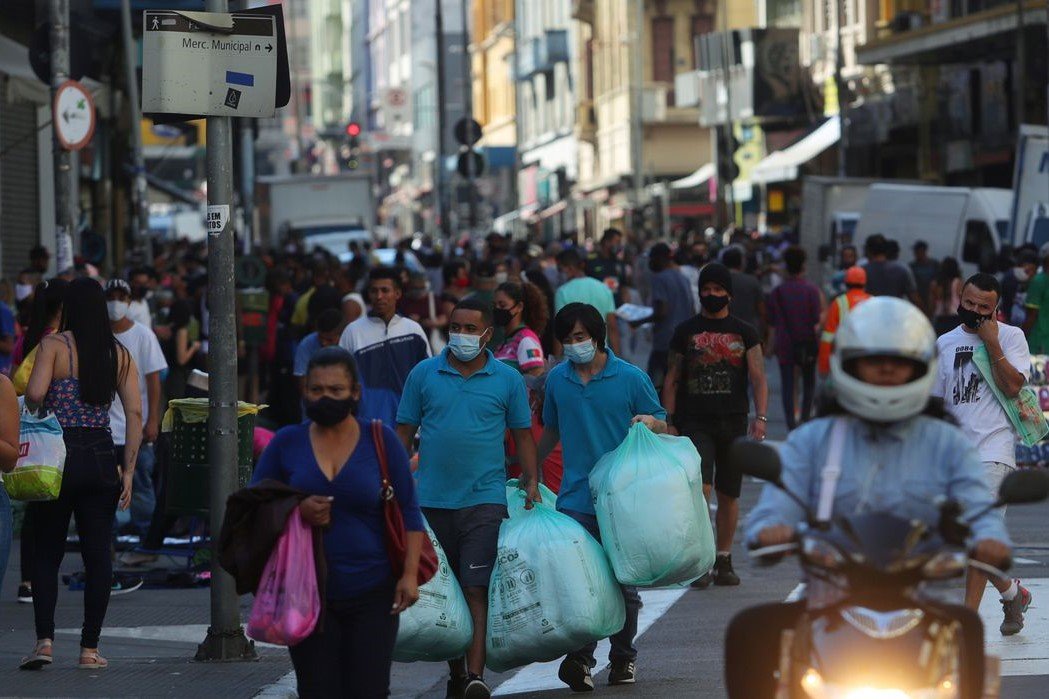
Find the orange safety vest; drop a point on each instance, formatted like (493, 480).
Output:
(840, 308)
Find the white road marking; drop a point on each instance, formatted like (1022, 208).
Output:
(1026, 653)
(186, 633)
(284, 688)
(1026, 562)
(538, 677)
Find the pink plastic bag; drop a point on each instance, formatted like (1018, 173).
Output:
(287, 605)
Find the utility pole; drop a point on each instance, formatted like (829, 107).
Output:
(440, 179)
(468, 100)
(728, 58)
(225, 640)
(839, 69)
(140, 220)
(67, 196)
(247, 184)
(637, 123)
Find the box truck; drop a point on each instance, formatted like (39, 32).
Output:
(322, 211)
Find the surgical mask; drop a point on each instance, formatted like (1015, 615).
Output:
(23, 291)
(327, 411)
(971, 319)
(501, 277)
(712, 303)
(117, 310)
(464, 347)
(1020, 273)
(581, 352)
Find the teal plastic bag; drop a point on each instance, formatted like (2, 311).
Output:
(1024, 411)
(654, 521)
(515, 496)
(437, 627)
(552, 590)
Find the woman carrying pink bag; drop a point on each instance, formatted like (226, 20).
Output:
(333, 458)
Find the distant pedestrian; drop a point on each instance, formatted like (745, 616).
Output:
(385, 345)
(1015, 283)
(946, 296)
(747, 302)
(924, 269)
(8, 458)
(75, 376)
(462, 402)
(885, 277)
(605, 264)
(334, 459)
(855, 280)
(329, 327)
(794, 312)
(579, 288)
(671, 300)
(1036, 327)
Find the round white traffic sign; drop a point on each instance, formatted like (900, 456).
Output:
(73, 114)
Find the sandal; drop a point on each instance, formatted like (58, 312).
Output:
(94, 661)
(38, 658)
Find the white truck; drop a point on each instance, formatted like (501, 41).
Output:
(1029, 220)
(830, 210)
(326, 211)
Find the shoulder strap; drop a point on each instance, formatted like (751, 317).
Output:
(831, 470)
(69, 347)
(384, 469)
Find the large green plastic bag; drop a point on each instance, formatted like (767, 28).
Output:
(514, 494)
(654, 522)
(437, 627)
(552, 590)
(41, 458)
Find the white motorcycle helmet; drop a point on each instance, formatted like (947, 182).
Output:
(884, 327)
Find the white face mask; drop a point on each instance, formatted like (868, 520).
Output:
(23, 291)
(117, 310)
(1020, 273)
(501, 277)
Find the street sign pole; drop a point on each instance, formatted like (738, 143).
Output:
(225, 640)
(140, 196)
(65, 159)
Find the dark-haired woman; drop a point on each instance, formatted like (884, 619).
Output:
(521, 311)
(181, 348)
(333, 457)
(92, 486)
(945, 295)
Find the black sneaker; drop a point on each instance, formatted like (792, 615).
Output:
(456, 687)
(25, 594)
(125, 584)
(576, 674)
(723, 573)
(703, 581)
(476, 688)
(1014, 611)
(622, 672)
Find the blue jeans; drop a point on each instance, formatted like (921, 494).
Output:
(143, 493)
(622, 642)
(6, 527)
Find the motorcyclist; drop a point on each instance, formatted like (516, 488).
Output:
(897, 457)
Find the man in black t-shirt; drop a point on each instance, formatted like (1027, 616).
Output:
(712, 358)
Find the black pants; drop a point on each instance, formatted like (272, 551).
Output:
(90, 490)
(27, 545)
(808, 390)
(352, 655)
(752, 648)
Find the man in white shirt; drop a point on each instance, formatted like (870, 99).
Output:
(144, 348)
(387, 347)
(138, 309)
(969, 399)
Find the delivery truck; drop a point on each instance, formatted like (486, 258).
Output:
(322, 211)
(1029, 220)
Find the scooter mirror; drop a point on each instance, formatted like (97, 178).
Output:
(1024, 486)
(756, 459)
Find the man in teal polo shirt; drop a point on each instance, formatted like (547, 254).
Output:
(464, 400)
(591, 401)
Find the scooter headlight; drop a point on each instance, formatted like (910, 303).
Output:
(814, 686)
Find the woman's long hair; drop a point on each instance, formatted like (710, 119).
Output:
(535, 313)
(949, 271)
(48, 298)
(84, 315)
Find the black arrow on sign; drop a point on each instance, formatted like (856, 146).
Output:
(269, 48)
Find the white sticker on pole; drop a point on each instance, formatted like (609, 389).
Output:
(63, 250)
(218, 218)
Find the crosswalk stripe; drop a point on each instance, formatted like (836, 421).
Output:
(543, 676)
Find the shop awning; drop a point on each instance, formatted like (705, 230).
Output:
(553, 210)
(697, 178)
(782, 165)
(23, 85)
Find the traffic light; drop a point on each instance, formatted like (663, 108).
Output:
(353, 134)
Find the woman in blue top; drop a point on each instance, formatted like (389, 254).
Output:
(332, 456)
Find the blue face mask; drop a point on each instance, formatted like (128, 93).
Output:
(464, 347)
(581, 352)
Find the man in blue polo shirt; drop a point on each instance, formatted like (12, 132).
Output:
(591, 401)
(464, 400)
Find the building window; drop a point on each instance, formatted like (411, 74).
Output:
(663, 53)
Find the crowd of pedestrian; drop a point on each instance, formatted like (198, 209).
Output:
(481, 362)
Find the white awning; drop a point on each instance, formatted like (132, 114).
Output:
(696, 178)
(782, 165)
(24, 86)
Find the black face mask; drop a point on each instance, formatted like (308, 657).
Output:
(502, 317)
(138, 292)
(972, 319)
(327, 411)
(712, 303)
